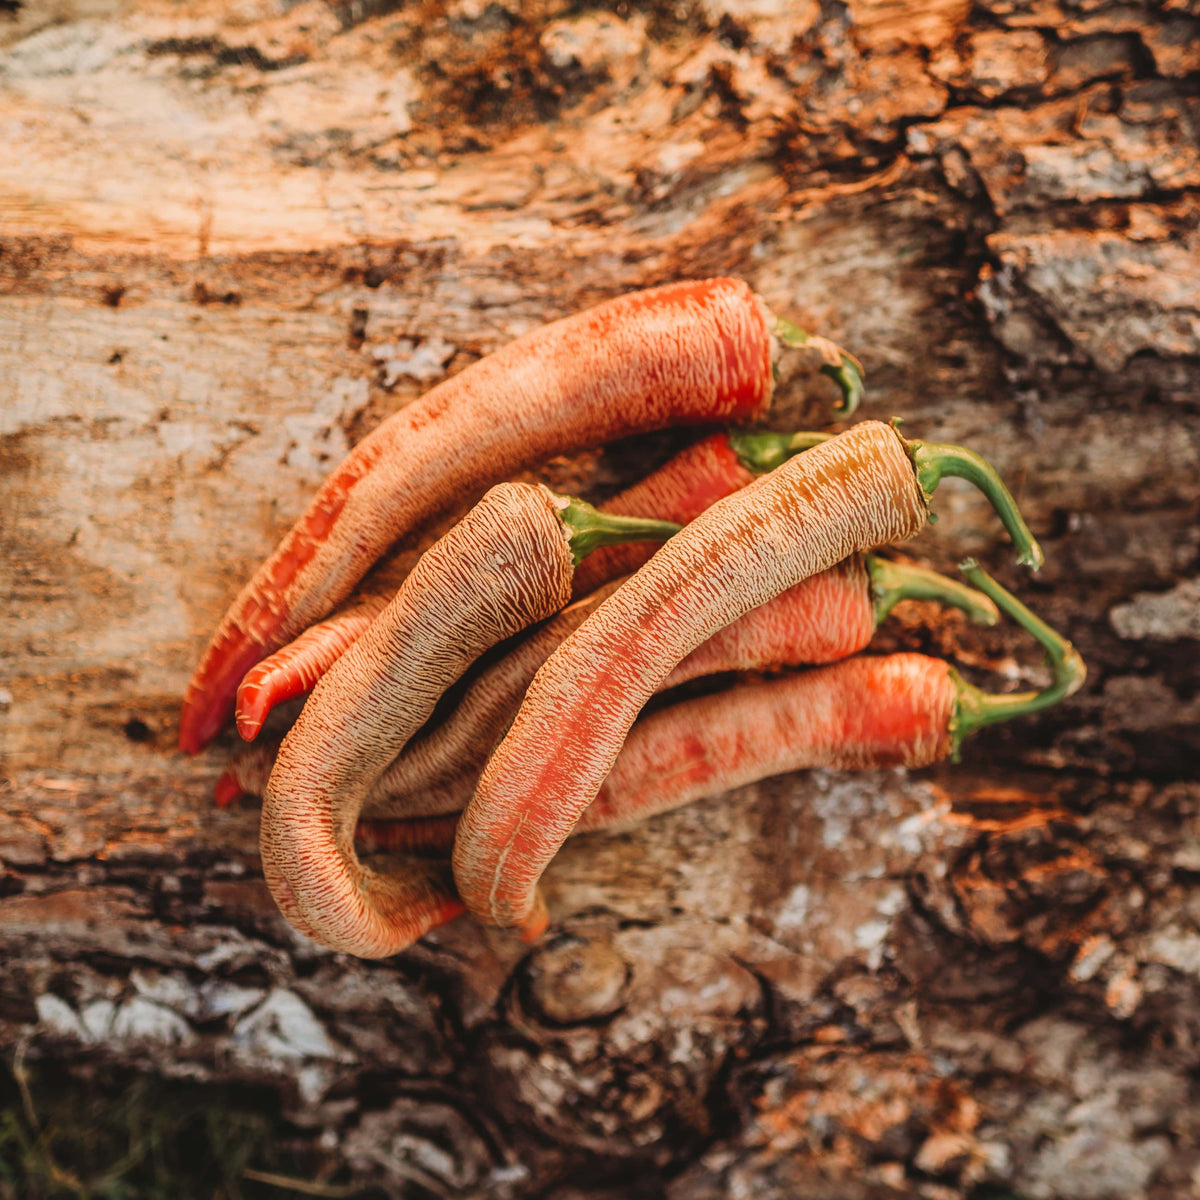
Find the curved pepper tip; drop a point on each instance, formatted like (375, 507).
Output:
(209, 700)
(537, 922)
(198, 726)
(450, 909)
(250, 717)
(227, 790)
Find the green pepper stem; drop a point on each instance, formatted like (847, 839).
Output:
(975, 707)
(763, 452)
(589, 528)
(933, 462)
(892, 582)
(842, 367)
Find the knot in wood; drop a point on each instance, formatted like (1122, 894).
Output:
(575, 980)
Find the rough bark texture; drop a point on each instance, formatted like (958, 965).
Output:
(232, 238)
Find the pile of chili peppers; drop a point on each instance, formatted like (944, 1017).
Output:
(748, 552)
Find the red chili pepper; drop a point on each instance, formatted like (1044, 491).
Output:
(895, 710)
(687, 352)
(506, 565)
(824, 618)
(865, 488)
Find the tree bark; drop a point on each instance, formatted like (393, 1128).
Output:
(233, 239)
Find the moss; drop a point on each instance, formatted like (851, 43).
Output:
(87, 1132)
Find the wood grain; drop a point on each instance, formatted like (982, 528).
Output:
(232, 239)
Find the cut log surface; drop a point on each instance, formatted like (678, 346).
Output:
(233, 238)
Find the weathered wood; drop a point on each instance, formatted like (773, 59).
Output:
(232, 240)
